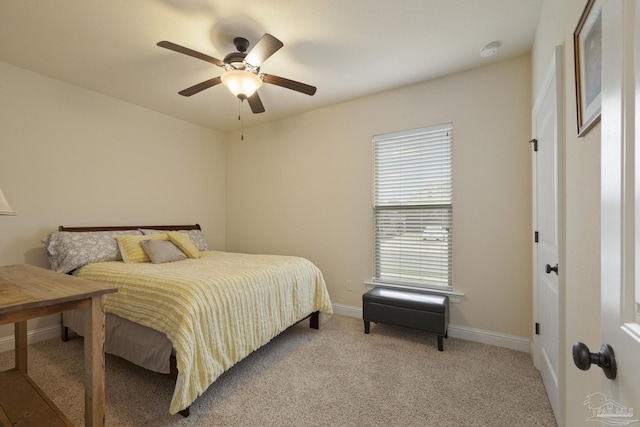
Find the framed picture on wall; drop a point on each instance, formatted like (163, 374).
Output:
(587, 48)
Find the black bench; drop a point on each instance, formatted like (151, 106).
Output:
(411, 309)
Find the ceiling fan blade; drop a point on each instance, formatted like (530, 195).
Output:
(289, 84)
(264, 48)
(255, 103)
(185, 50)
(200, 86)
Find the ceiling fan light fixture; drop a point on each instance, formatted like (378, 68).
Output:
(241, 83)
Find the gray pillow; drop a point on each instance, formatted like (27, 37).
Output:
(196, 236)
(70, 250)
(161, 251)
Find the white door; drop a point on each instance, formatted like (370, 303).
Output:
(620, 210)
(548, 295)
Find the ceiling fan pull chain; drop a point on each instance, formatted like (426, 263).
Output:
(241, 118)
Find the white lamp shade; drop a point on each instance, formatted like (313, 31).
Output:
(241, 83)
(5, 209)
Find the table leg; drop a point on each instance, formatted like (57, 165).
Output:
(20, 335)
(94, 364)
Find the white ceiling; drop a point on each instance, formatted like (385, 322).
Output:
(346, 48)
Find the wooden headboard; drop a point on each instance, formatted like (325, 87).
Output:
(132, 227)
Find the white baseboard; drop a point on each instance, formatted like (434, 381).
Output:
(463, 332)
(492, 338)
(348, 310)
(34, 336)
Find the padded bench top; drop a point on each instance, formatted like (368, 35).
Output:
(409, 299)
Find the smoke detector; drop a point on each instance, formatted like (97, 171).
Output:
(489, 49)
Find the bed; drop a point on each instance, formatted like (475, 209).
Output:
(191, 314)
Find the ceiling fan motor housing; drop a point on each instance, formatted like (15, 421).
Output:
(235, 61)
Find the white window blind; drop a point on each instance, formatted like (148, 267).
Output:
(413, 207)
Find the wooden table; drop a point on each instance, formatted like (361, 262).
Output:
(27, 292)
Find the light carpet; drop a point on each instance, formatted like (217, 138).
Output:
(335, 376)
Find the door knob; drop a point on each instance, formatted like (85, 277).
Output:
(606, 359)
(549, 269)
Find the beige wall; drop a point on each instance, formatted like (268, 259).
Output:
(582, 204)
(303, 186)
(69, 156)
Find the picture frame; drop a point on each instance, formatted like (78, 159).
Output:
(587, 48)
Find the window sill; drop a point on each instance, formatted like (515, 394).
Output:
(454, 297)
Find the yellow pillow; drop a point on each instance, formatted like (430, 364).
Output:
(185, 244)
(131, 249)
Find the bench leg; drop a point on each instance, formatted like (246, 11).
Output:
(440, 343)
(367, 325)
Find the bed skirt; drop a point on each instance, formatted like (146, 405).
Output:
(138, 344)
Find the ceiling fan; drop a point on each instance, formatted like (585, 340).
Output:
(242, 70)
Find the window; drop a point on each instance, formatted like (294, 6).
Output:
(413, 207)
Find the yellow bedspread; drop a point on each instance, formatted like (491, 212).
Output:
(216, 310)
